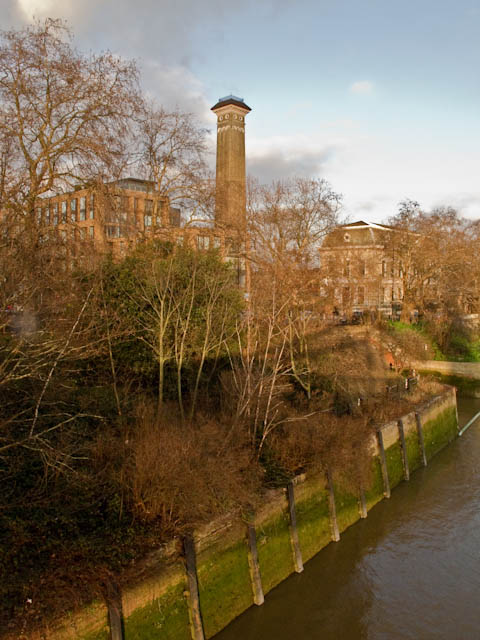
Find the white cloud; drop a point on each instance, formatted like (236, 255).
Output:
(31, 8)
(361, 86)
(176, 86)
(467, 204)
(279, 157)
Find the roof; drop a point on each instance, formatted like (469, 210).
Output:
(361, 224)
(231, 99)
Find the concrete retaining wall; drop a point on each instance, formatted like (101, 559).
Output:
(460, 369)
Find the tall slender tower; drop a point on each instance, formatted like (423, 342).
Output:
(230, 206)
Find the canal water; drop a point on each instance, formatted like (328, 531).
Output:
(411, 570)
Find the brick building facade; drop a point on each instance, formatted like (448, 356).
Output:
(360, 270)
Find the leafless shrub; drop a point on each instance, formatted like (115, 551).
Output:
(182, 474)
(324, 442)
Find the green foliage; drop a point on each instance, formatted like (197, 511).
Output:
(468, 387)
(421, 329)
(177, 310)
(459, 345)
(463, 348)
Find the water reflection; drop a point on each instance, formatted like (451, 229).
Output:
(411, 570)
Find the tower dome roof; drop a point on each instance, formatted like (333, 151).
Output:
(231, 99)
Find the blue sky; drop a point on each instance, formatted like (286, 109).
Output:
(379, 97)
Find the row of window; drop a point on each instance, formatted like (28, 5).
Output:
(385, 295)
(347, 296)
(206, 242)
(80, 233)
(83, 208)
(73, 210)
(203, 242)
(362, 269)
(392, 270)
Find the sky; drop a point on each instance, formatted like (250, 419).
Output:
(380, 98)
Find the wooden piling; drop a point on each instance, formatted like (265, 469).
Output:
(332, 509)
(193, 599)
(362, 503)
(403, 444)
(254, 565)
(418, 420)
(115, 614)
(456, 408)
(297, 554)
(383, 462)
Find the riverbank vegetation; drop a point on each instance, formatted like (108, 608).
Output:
(461, 344)
(435, 257)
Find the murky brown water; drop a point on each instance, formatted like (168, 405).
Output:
(410, 571)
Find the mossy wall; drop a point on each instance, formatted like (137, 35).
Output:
(414, 453)
(374, 490)
(273, 543)
(156, 606)
(439, 431)
(165, 617)
(313, 522)
(223, 577)
(89, 624)
(346, 504)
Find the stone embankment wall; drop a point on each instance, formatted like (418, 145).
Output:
(192, 593)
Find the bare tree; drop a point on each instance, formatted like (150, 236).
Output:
(170, 148)
(64, 120)
(288, 220)
(64, 115)
(433, 255)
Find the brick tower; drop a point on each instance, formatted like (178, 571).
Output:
(230, 185)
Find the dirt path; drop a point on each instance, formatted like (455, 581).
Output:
(364, 341)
